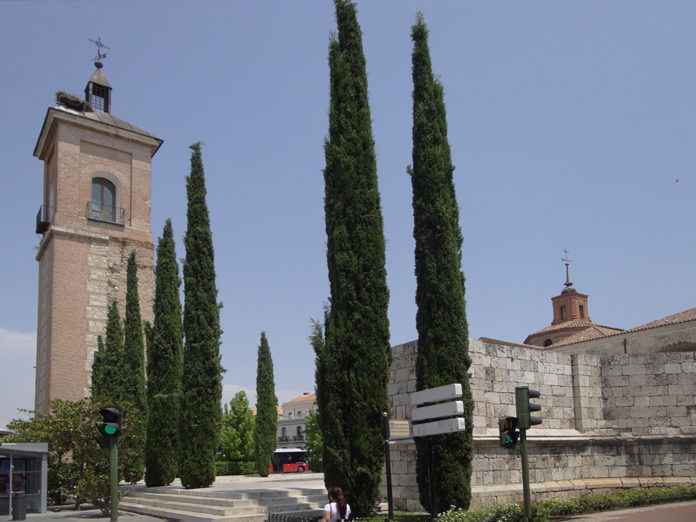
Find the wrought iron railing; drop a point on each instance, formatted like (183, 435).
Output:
(43, 219)
(292, 517)
(113, 215)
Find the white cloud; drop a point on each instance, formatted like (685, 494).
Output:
(229, 390)
(17, 360)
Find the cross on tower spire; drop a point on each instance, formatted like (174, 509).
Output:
(566, 261)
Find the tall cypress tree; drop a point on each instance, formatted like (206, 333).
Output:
(134, 353)
(266, 408)
(441, 318)
(164, 368)
(99, 369)
(358, 332)
(327, 410)
(108, 368)
(200, 414)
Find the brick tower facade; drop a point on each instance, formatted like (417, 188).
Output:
(95, 212)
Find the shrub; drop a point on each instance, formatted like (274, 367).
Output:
(235, 468)
(589, 503)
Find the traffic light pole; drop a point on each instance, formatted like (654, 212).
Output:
(113, 450)
(525, 475)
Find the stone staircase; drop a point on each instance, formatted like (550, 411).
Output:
(225, 506)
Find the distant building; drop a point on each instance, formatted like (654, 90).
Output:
(571, 320)
(292, 424)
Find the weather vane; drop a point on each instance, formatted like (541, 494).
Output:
(100, 55)
(566, 261)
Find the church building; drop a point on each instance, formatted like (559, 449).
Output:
(571, 320)
(95, 211)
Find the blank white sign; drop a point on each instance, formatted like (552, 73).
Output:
(438, 427)
(438, 411)
(439, 394)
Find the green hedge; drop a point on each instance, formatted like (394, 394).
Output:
(235, 468)
(547, 509)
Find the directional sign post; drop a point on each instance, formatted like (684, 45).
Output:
(437, 411)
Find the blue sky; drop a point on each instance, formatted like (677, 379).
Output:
(570, 124)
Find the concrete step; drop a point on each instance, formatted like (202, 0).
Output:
(280, 501)
(192, 499)
(182, 505)
(310, 513)
(294, 508)
(187, 516)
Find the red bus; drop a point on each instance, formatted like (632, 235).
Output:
(289, 460)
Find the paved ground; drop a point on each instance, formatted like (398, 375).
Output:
(677, 512)
(222, 484)
(83, 516)
(244, 483)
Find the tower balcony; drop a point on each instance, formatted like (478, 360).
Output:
(103, 214)
(42, 219)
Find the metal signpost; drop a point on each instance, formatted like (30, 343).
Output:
(436, 411)
(387, 465)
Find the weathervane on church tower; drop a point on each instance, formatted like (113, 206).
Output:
(100, 55)
(566, 261)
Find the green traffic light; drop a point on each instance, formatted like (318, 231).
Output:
(110, 429)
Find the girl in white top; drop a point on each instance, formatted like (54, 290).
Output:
(337, 510)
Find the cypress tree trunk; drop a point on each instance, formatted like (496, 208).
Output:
(134, 352)
(164, 364)
(266, 408)
(443, 342)
(200, 414)
(358, 332)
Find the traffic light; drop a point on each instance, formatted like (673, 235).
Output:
(524, 407)
(507, 430)
(110, 426)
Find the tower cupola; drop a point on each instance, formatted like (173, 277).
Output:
(98, 88)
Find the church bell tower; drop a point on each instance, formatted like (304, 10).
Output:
(95, 211)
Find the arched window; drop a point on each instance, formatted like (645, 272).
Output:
(103, 204)
(548, 342)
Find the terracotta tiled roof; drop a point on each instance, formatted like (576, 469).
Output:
(593, 332)
(304, 397)
(573, 323)
(680, 317)
(279, 410)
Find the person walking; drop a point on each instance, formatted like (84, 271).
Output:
(337, 510)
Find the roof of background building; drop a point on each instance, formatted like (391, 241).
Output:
(680, 317)
(306, 396)
(593, 332)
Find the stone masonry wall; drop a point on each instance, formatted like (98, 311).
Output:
(553, 461)
(495, 372)
(650, 394)
(604, 416)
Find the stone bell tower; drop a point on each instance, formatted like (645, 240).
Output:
(95, 211)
